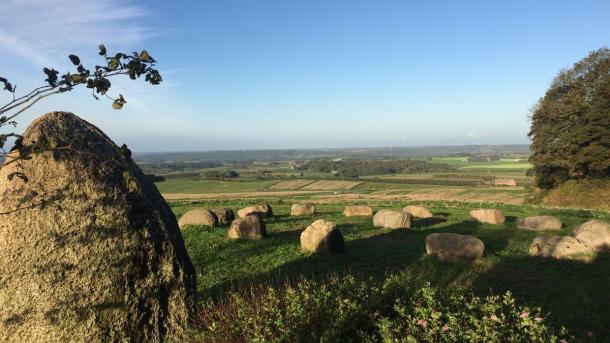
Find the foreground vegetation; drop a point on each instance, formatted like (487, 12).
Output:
(346, 310)
(573, 293)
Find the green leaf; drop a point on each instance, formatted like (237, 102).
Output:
(102, 50)
(74, 59)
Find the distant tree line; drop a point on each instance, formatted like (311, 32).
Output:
(357, 168)
(220, 174)
(176, 167)
(570, 130)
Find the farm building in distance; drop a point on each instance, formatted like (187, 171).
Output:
(505, 182)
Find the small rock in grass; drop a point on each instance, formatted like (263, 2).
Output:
(322, 237)
(540, 223)
(453, 247)
(595, 233)
(224, 215)
(302, 209)
(392, 219)
(358, 211)
(559, 247)
(262, 210)
(488, 216)
(418, 211)
(249, 227)
(199, 216)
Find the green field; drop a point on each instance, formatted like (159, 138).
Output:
(573, 292)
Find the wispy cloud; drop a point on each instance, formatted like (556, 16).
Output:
(41, 31)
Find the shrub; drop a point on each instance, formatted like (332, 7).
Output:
(586, 193)
(347, 310)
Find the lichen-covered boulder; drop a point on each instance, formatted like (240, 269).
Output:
(250, 227)
(559, 247)
(224, 215)
(392, 219)
(89, 250)
(262, 210)
(452, 247)
(539, 223)
(488, 216)
(302, 209)
(198, 216)
(322, 237)
(595, 233)
(418, 211)
(358, 211)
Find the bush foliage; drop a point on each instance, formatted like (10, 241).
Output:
(347, 310)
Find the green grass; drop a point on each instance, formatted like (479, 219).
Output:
(574, 292)
(211, 186)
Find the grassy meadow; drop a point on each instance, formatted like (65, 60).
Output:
(574, 293)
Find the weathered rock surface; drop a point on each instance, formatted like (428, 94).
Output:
(199, 216)
(302, 209)
(453, 247)
(250, 227)
(225, 215)
(89, 250)
(361, 210)
(262, 210)
(559, 247)
(322, 237)
(540, 223)
(595, 233)
(418, 211)
(392, 219)
(488, 216)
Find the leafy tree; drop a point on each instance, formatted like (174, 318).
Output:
(570, 130)
(97, 78)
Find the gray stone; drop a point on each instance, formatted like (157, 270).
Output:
(453, 247)
(322, 237)
(89, 250)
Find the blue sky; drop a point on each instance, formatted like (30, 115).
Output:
(300, 74)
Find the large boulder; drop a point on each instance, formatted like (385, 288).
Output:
(249, 227)
(540, 223)
(199, 216)
(262, 210)
(595, 233)
(488, 216)
(358, 211)
(322, 237)
(302, 209)
(418, 211)
(452, 247)
(89, 250)
(225, 215)
(392, 219)
(559, 247)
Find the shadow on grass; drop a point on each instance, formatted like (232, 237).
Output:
(425, 222)
(575, 293)
(372, 257)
